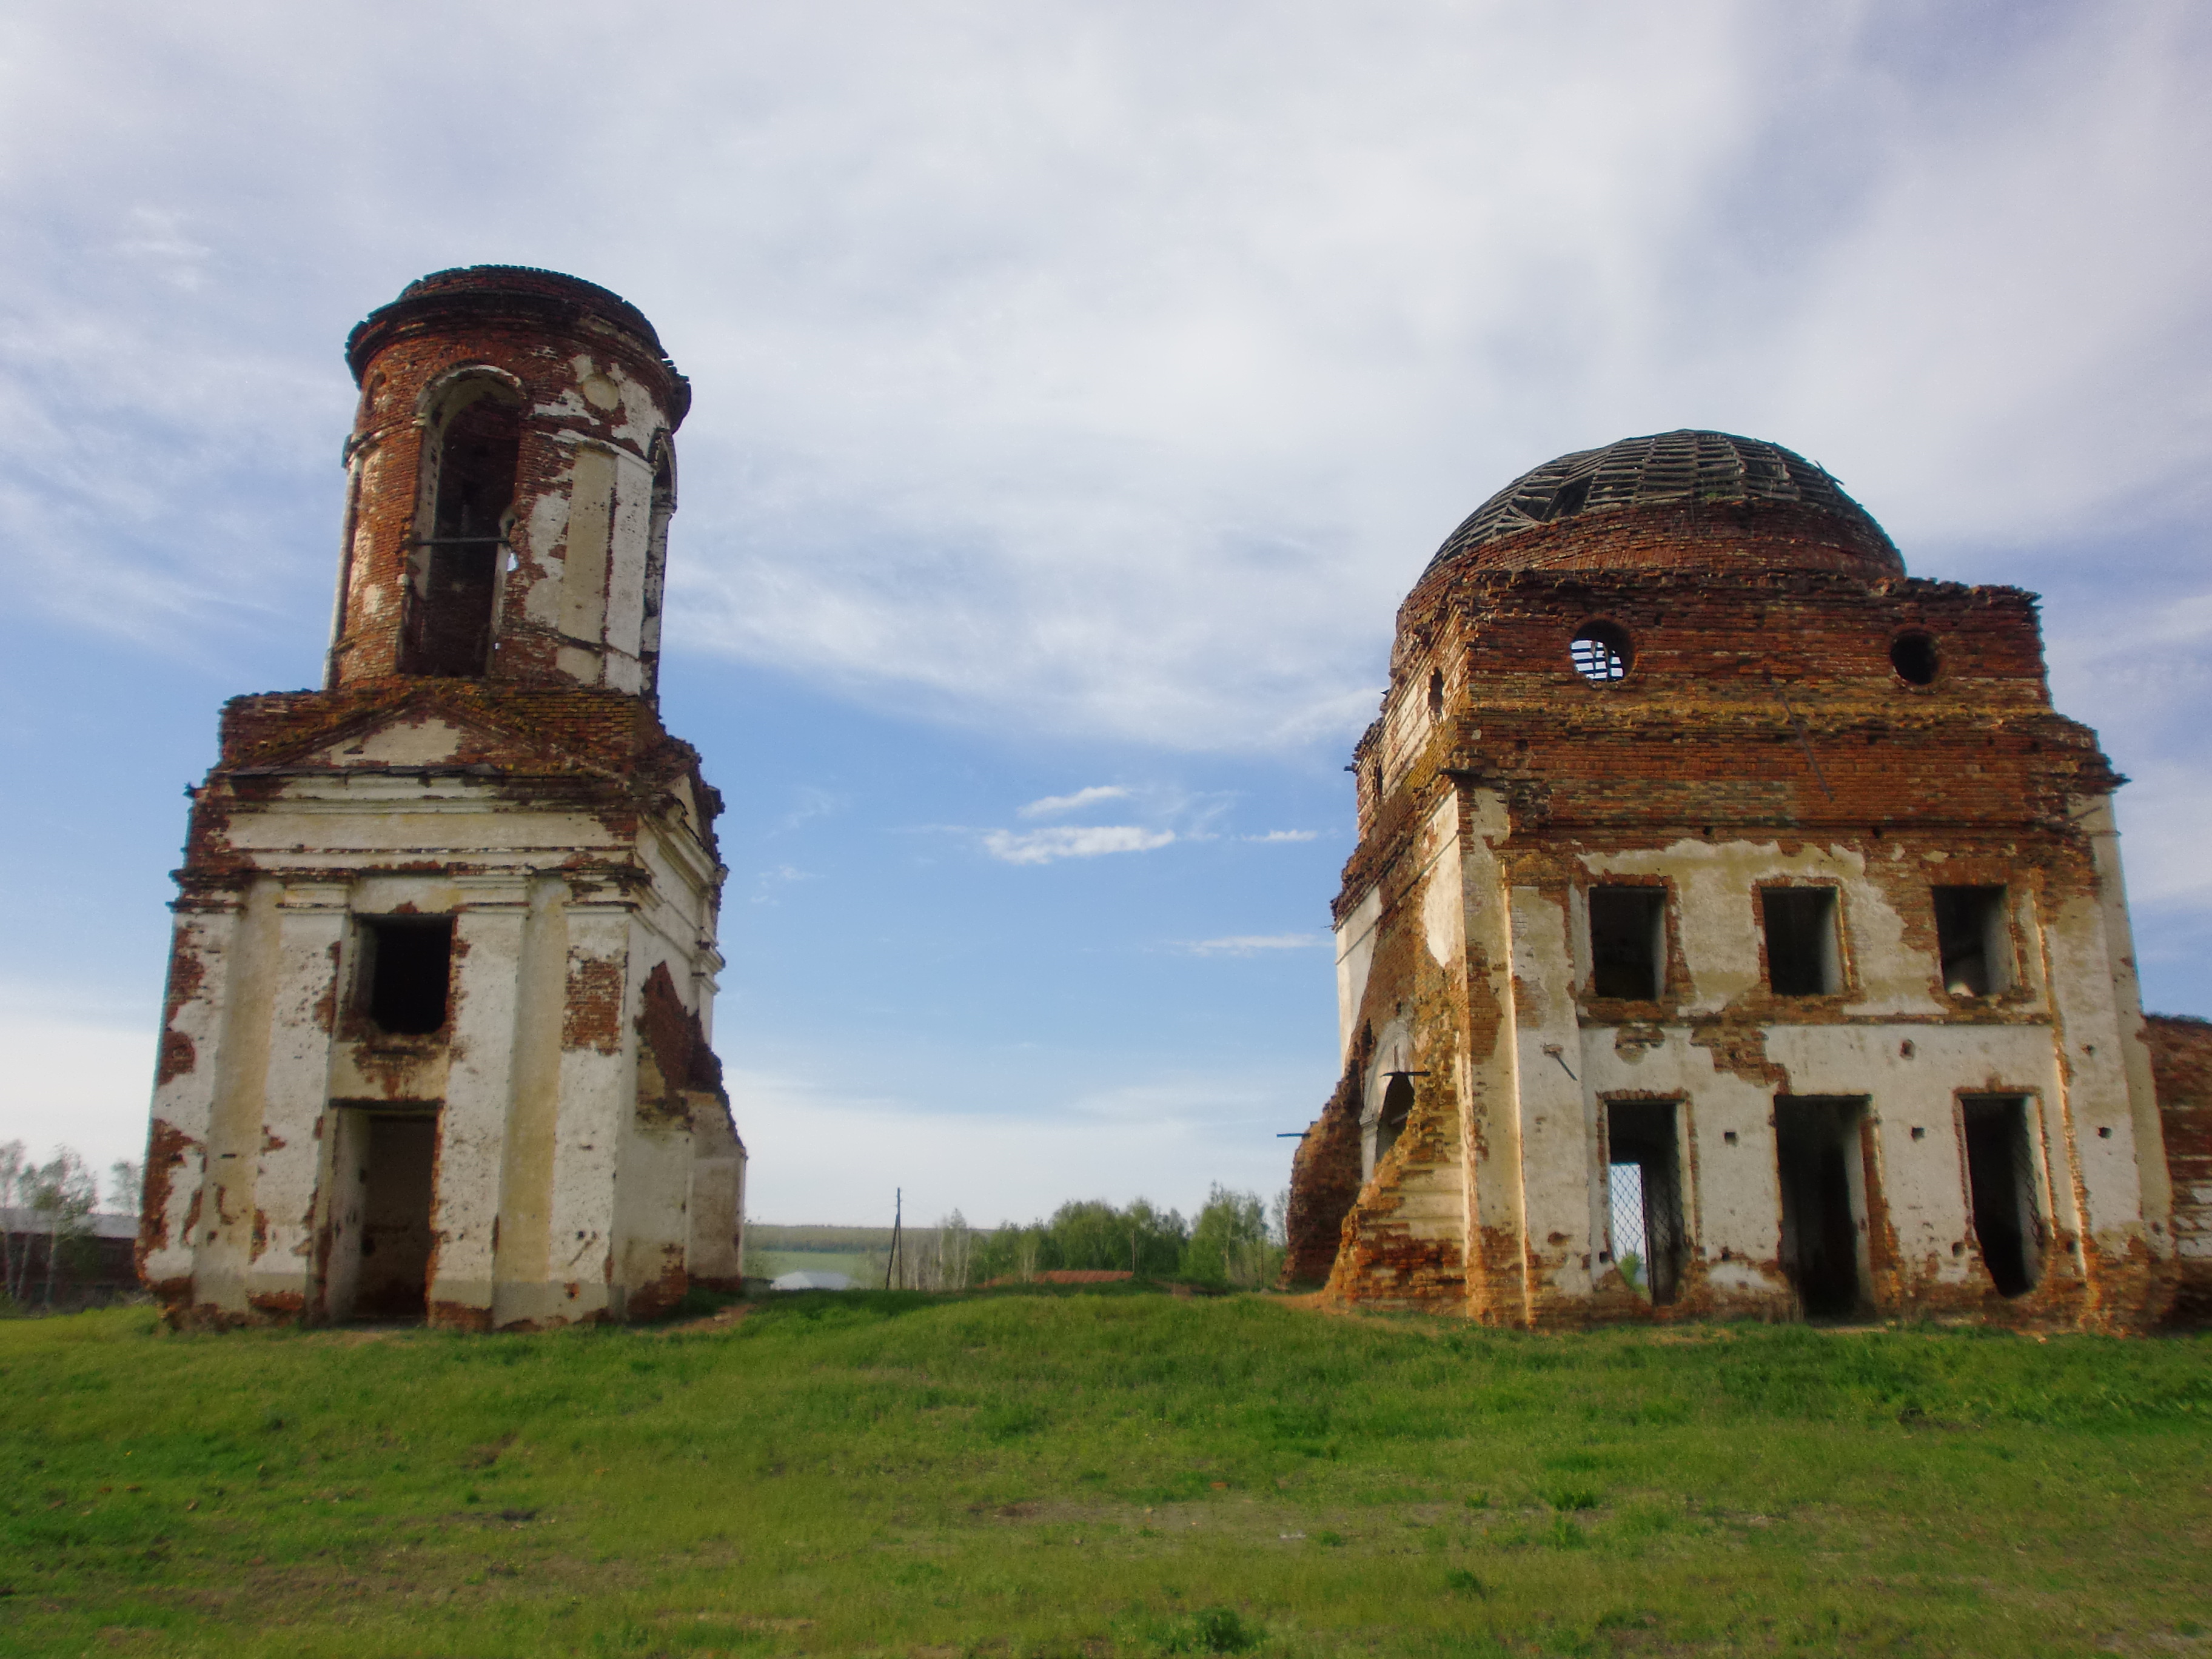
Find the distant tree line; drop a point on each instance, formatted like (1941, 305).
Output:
(1234, 1241)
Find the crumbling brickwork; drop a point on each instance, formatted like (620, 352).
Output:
(436, 1038)
(1688, 811)
(2181, 1060)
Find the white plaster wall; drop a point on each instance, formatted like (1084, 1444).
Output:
(1355, 957)
(310, 936)
(261, 1084)
(2099, 1015)
(223, 1239)
(204, 937)
(1491, 1084)
(598, 1095)
(488, 928)
(1558, 1143)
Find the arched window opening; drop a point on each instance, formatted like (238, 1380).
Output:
(1436, 694)
(453, 586)
(1601, 653)
(656, 551)
(1390, 1121)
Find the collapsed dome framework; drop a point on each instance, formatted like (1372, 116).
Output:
(1557, 515)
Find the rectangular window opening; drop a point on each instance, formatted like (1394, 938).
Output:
(1822, 1168)
(1645, 1190)
(1803, 957)
(406, 973)
(1974, 940)
(2000, 1177)
(1628, 942)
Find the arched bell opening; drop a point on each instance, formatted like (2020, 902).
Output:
(472, 449)
(661, 509)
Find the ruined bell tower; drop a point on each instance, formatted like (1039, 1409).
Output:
(436, 1036)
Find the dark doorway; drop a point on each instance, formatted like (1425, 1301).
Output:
(1390, 1121)
(398, 1178)
(1645, 1188)
(1801, 955)
(406, 972)
(2001, 1176)
(454, 577)
(1817, 1151)
(1628, 942)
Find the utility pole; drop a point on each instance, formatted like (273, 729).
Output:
(898, 1212)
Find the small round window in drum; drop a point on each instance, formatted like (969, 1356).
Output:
(1601, 653)
(1913, 656)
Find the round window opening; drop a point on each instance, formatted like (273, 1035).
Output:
(1601, 653)
(1913, 656)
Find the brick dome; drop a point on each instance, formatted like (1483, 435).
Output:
(1651, 501)
(474, 295)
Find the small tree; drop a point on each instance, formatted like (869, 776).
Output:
(64, 1194)
(127, 1180)
(15, 1175)
(1229, 1243)
(955, 1250)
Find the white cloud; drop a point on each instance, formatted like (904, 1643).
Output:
(1245, 944)
(1053, 805)
(1072, 842)
(80, 1073)
(769, 883)
(1113, 373)
(1282, 836)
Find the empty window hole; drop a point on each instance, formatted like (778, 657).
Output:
(1601, 653)
(409, 968)
(1802, 959)
(1628, 942)
(1974, 940)
(1914, 657)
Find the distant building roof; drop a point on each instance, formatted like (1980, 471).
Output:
(37, 1221)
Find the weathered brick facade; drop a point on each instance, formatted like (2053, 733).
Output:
(436, 1038)
(2181, 1060)
(1698, 841)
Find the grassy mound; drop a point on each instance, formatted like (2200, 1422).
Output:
(1098, 1472)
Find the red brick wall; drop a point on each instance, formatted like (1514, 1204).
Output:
(534, 333)
(2181, 1062)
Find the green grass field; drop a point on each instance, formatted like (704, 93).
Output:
(1098, 1472)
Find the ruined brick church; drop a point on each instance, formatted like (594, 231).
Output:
(1736, 929)
(436, 1041)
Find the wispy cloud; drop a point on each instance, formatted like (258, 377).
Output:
(811, 803)
(1247, 944)
(1072, 842)
(771, 882)
(1282, 835)
(1053, 806)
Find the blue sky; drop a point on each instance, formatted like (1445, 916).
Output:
(1078, 389)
